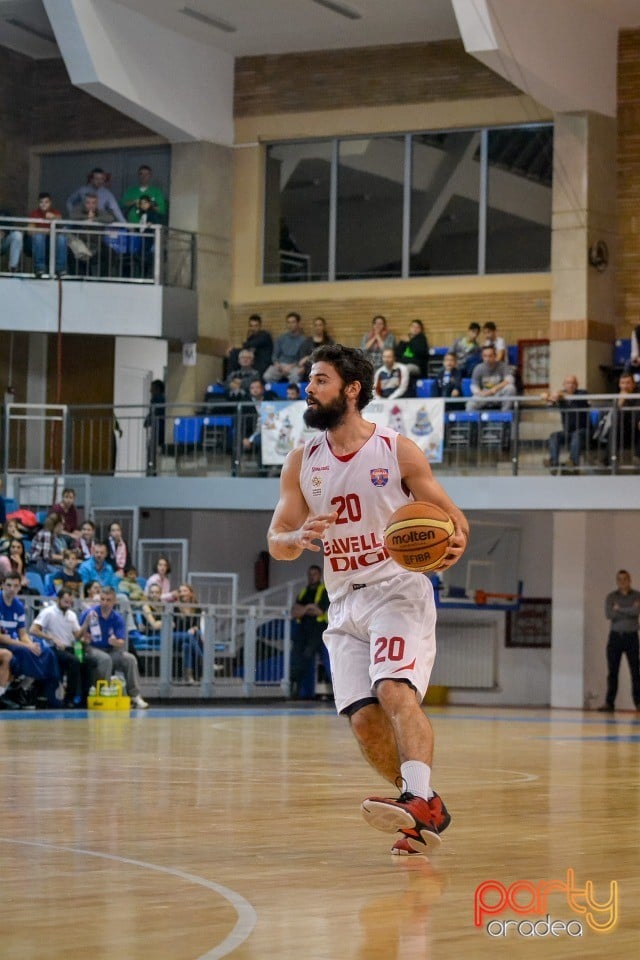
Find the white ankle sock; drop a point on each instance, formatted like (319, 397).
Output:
(417, 775)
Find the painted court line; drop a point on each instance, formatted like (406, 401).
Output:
(247, 916)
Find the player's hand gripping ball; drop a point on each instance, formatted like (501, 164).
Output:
(417, 536)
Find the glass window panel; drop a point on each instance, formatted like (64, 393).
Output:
(445, 193)
(296, 238)
(369, 208)
(519, 199)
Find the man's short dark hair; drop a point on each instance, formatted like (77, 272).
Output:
(256, 317)
(144, 166)
(12, 576)
(474, 326)
(44, 195)
(351, 364)
(64, 591)
(489, 325)
(292, 313)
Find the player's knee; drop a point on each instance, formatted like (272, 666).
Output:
(365, 722)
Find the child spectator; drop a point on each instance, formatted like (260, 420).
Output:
(67, 512)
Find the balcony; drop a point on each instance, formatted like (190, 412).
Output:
(490, 459)
(113, 279)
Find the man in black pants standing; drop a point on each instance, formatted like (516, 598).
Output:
(622, 607)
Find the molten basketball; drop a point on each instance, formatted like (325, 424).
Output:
(417, 536)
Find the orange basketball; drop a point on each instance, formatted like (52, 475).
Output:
(417, 536)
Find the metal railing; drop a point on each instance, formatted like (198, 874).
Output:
(197, 440)
(216, 651)
(118, 252)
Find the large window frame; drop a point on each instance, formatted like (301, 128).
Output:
(301, 271)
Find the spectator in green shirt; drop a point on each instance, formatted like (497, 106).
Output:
(144, 188)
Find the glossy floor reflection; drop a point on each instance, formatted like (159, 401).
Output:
(183, 834)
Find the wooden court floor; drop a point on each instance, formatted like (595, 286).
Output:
(235, 832)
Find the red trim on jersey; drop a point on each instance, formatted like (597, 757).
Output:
(349, 456)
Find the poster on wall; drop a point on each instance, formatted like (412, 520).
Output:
(422, 420)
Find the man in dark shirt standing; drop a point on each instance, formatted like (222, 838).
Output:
(622, 607)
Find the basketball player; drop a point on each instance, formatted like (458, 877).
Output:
(340, 489)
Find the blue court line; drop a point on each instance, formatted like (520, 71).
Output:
(243, 710)
(610, 738)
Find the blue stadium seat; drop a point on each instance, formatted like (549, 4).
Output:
(11, 505)
(303, 388)
(188, 430)
(215, 390)
(512, 355)
(466, 387)
(426, 387)
(49, 588)
(280, 389)
(36, 582)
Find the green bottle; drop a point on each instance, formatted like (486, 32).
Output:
(78, 649)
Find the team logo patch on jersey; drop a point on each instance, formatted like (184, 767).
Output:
(316, 483)
(379, 476)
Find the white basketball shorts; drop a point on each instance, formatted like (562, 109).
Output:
(384, 630)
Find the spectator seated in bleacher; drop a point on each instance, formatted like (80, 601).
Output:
(29, 657)
(287, 352)
(492, 383)
(414, 350)
(84, 543)
(58, 625)
(92, 216)
(319, 337)
(618, 432)
(293, 392)
(97, 186)
(574, 436)
(11, 531)
(245, 372)
(67, 512)
(468, 350)
(491, 338)
(11, 242)
(130, 587)
(47, 546)
(187, 629)
(119, 556)
(17, 559)
(108, 634)
(378, 339)
(67, 575)
(258, 340)
(449, 379)
(252, 439)
(98, 568)
(149, 620)
(392, 379)
(160, 576)
(38, 238)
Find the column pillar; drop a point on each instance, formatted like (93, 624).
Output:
(582, 328)
(36, 393)
(201, 201)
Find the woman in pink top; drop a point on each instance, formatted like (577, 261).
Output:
(161, 577)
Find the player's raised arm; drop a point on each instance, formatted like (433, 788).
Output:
(418, 477)
(292, 528)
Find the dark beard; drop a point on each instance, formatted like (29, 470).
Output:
(327, 417)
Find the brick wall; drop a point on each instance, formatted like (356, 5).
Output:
(39, 105)
(628, 293)
(372, 76)
(522, 315)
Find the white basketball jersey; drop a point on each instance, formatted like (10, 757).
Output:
(364, 489)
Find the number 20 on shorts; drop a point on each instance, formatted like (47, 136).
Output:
(389, 648)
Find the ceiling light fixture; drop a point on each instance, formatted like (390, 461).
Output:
(340, 8)
(215, 22)
(40, 34)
